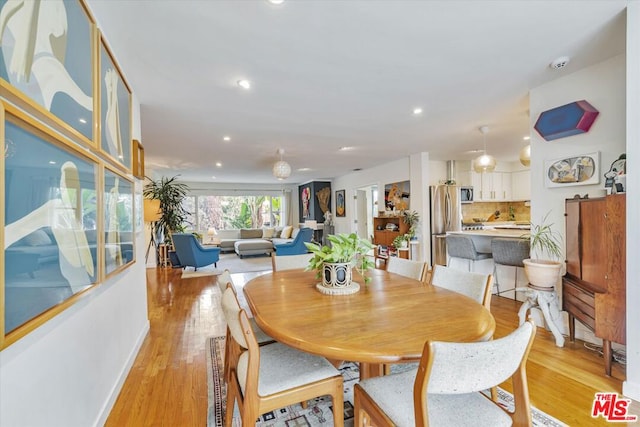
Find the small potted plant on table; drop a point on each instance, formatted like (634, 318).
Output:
(334, 263)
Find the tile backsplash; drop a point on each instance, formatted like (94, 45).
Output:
(485, 209)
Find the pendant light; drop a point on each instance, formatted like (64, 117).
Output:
(485, 162)
(281, 169)
(525, 154)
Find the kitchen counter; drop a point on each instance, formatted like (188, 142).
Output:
(493, 232)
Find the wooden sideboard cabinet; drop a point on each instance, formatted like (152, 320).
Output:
(594, 288)
(384, 236)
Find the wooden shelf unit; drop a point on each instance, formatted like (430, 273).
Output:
(594, 288)
(385, 237)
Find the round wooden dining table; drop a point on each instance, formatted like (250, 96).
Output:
(387, 321)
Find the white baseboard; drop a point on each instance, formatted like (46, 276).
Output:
(117, 387)
(631, 390)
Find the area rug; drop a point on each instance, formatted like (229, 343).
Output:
(319, 410)
(201, 272)
(231, 262)
(235, 264)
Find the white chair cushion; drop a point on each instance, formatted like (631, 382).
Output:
(394, 395)
(284, 368)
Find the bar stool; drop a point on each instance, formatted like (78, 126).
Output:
(463, 247)
(509, 252)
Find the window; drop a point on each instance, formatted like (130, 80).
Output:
(232, 212)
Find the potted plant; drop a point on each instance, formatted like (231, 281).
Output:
(171, 195)
(334, 263)
(401, 241)
(544, 241)
(411, 218)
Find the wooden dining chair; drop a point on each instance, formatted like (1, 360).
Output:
(265, 378)
(290, 262)
(406, 267)
(222, 280)
(474, 285)
(260, 335)
(447, 385)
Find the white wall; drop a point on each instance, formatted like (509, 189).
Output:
(631, 387)
(69, 371)
(417, 168)
(603, 86)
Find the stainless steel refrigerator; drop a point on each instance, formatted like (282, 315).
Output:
(446, 215)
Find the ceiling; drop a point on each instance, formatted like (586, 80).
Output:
(332, 74)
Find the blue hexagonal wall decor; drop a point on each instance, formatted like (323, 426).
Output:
(566, 120)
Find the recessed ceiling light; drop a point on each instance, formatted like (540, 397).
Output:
(345, 148)
(81, 120)
(276, 1)
(304, 169)
(51, 162)
(226, 138)
(417, 111)
(213, 177)
(218, 164)
(560, 62)
(526, 138)
(244, 84)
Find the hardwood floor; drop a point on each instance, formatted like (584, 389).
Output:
(167, 385)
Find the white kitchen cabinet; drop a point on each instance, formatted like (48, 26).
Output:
(494, 186)
(521, 185)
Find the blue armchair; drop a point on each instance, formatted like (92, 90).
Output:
(296, 246)
(191, 253)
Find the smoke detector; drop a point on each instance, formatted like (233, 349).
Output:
(560, 62)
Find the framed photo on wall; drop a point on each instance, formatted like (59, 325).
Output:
(47, 63)
(115, 110)
(118, 221)
(50, 210)
(578, 170)
(340, 203)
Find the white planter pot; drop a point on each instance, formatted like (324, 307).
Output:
(336, 275)
(336, 279)
(542, 273)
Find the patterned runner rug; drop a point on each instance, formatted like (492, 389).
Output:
(318, 412)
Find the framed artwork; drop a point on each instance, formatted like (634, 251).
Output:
(118, 221)
(578, 170)
(115, 110)
(137, 168)
(305, 201)
(396, 195)
(50, 217)
(340, 203)
(47, 63)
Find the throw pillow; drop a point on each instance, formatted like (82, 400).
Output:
(294, 233)
(251, 233)
(277, 232)
(267, 233)
(37, 238)
(286, 232)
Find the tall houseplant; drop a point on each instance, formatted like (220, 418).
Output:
(411, 218)
(171, 194)
(333, 263)
(544, 242)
